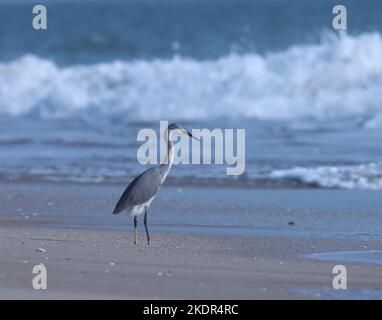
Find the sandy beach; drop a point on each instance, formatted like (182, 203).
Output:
(89, 253)
(283, 186)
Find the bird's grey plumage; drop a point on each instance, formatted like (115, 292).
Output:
(140, 190)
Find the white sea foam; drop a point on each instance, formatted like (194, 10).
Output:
(339, 78)
(364, 176)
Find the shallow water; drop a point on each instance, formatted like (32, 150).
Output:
(366, 256)
(277, 154)
(348, 294)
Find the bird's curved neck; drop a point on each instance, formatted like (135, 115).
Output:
(166, 165)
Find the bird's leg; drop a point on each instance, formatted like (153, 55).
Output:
(135, 230)
(147, 230)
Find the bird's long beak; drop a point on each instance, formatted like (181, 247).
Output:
(191, 135)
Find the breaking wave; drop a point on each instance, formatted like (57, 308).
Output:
(363, 176)
(340, 77)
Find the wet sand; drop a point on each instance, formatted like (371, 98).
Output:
(86, 260)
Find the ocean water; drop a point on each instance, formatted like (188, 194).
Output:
(73, 97)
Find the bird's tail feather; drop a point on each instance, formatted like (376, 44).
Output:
(118, 208)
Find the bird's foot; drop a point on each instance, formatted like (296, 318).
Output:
(135, 238)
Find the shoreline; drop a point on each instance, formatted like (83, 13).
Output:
(312, 213)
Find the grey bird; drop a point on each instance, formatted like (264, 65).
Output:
(139, 194)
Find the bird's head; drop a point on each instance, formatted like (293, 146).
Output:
(173, 127)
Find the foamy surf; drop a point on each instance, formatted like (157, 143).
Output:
(339, 78)
(364, 176)
(361, 177)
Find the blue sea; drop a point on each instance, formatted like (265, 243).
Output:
(73, 97)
